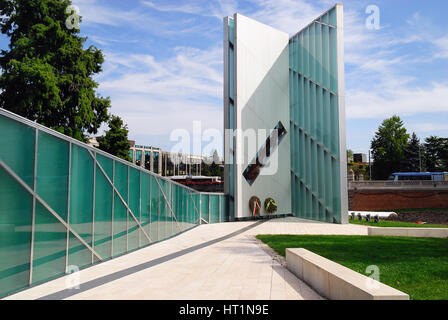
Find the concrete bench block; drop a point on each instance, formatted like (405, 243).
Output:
(409, 232)
(336, 282)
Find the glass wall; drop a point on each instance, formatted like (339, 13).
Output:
(214, 207)
(66, 205)
(314, 115)
(231, 115)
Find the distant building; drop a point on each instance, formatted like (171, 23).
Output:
(167, 163)
(360, 158)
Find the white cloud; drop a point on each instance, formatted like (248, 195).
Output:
(442, 45)
(93, 12)
(190, 73)
(216, 8)
(155, 97)
(425, 128)
(399, 100)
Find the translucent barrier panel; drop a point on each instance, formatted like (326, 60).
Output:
(16, 205)
(214, 209)
(224, 209)
(145, 208)
(154, 209)
(106, 164)
(187, 209)
(175, 206)
(171, 228)
(103, 215)
(181, 206)
(52, 172)
(121, 180)
(17, 148)
(50, 239)
(205, 207)
(120, 228)
(81, 204)
(161, 209)
(134, 205)
(79, 256)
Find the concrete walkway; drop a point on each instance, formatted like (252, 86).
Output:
(219, 261)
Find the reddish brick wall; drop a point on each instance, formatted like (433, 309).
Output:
(364, 200)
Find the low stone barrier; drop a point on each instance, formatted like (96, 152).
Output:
(409, 232)
(336, 282)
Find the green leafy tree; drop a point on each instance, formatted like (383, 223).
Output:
(436, 154)
(388, 147)
(412, 161)
(115, 140)
(215, 168)
(349, 155)
(205, 169)
(46, 74)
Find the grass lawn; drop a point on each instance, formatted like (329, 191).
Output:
(416, 266)
(399, 224)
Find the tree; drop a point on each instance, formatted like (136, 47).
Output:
(349, 155)
(46, 73)
(388, 147)
(215, 168)
(115, 141)
(412, 161)
(436, 154)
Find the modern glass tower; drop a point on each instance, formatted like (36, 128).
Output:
(296, 86)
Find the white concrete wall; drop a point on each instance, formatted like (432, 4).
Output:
(262, 100)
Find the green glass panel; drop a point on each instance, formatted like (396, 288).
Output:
(107, 164)
(333, 61)
(50, 239)
(325, 18)
(204, 207)
(306, 53)
(184, 210)
(326, 57)
(336, 190)
(79, 255)
(15, 234)
(214, 209)
(154, 209)
(171, 228)
(52, 172)
(134, 205)
(17, 148)
(145, 208)
(332, 18)
(120, 231)
(312, 47)
(231, 30)
(81, 193)
(318, 43)
(334, 118)
(133, 229)
(121, 179)
(231, 73)
(161, 223)
(103, 215)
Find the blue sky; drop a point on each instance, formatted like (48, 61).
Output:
(163, 66)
